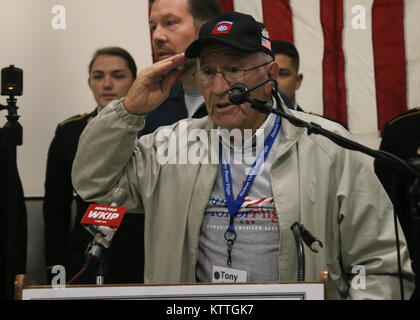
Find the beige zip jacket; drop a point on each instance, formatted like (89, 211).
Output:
(333, 192)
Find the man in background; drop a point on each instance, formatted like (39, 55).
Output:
(174, 24)
(289, 79)
(401, 137)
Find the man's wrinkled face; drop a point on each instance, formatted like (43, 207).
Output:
(217, 59)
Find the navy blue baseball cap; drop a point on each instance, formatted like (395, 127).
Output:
(238, 30)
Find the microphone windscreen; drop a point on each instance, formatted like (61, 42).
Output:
(238, 93)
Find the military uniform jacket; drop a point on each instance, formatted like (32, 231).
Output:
(59, 190)
(401, 137)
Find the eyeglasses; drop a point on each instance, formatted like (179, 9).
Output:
(205, 76)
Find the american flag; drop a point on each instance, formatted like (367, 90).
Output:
(265, 43)
(360, 58)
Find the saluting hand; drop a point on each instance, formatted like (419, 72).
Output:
(152, 85)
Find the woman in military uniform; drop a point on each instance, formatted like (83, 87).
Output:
(112, 70)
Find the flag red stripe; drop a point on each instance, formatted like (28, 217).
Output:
(226, 5)
(278, 19)
(334, 87)
(389, 59)
(255, 202)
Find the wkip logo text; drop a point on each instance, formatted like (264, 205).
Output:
(101, 215)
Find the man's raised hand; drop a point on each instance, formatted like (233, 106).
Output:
(152, 85)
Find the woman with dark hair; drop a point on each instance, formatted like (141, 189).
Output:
(112, 71)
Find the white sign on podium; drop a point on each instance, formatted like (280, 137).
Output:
(238, 291)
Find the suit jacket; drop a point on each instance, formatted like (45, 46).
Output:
(170, 111)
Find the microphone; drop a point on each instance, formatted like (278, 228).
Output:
(239, 93)
(102, 222)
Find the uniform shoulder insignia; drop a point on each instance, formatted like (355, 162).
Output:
(74, 118)
(404, 115)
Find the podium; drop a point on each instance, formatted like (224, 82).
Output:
(184, 291)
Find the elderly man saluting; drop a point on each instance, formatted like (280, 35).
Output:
(212, 215)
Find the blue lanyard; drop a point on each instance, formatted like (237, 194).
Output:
(232, 204)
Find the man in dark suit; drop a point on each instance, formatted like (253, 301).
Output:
(174, 24)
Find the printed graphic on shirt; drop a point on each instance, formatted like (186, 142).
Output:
(255, 250)
(254, 215)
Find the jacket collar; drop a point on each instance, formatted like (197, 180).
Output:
(289, 133)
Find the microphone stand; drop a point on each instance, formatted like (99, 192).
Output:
(10, 138)
(300, 251)
(303, 236)
(101, 271)
(93, 256)
(314, 128)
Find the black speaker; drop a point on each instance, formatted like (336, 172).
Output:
(11, 81)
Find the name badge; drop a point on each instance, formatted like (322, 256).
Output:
(222, 274)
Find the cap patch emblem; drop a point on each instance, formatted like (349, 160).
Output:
(222, 27)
